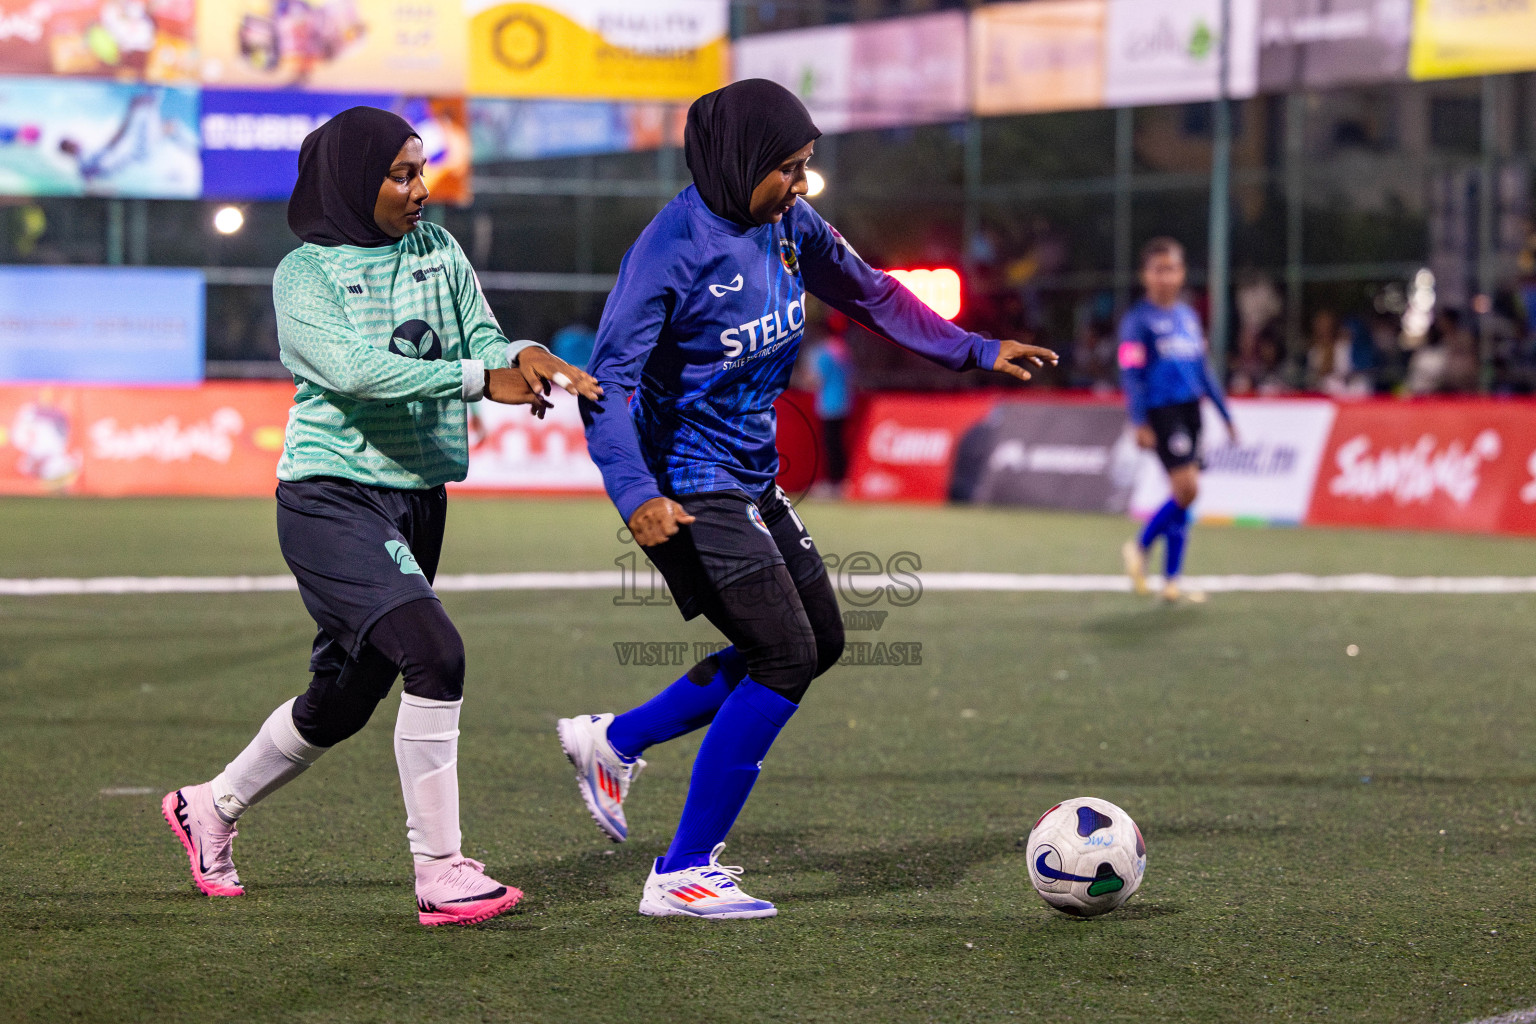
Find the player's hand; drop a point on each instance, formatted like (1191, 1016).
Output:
(541, 369)
(509, 387)
(1145, 438)
(658, 520)
(1012, 353)
(1232, 435)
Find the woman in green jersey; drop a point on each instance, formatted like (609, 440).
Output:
(382, 322)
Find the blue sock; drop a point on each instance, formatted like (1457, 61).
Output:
(680, 708)
(728, 764)
(1177, 533)
(1160, 522)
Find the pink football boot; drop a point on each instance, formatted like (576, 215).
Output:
(207, 838)
(456, 890)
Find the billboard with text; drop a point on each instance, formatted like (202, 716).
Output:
(137, 325)
(602, 49)
(1168, 51)
(1317, 44)
(342, 45)
(1037, 56)
(251, 139)
(1453, 38)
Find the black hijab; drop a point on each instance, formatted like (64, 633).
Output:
(341, 166)
(736, 135)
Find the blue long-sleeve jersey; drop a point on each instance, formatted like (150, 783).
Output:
(1163, 360)
(700, 334)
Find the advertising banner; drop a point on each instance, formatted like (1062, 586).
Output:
(251, 139)
(96, 138)
(218, 439)
(1167, 51)
(1267, 477)
(1036, 56)
(903, 447)
(538, 129)
(1456, 38)
(340, 45)
(510, 450)
(1317, 44)
(909, 71)
(1459, 466)
(146, 41)
(604, 49)
(881, 74)
(1048, 455)
(815, 64)
(110, 324)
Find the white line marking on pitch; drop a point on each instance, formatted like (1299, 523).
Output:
(959, 582)
(1512, 1017)
(127, 791)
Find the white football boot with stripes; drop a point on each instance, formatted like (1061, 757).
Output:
(710, 890)
(602, 776)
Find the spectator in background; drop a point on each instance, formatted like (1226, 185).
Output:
(1448, 359)
(832, 378)
(1330, 358)
(1094, 358)
(1259, 368)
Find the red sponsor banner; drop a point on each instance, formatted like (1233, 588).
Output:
(217, 439)
(903, 446)
(1457, 466)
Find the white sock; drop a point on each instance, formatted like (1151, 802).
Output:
(276, 756)
(427, 751)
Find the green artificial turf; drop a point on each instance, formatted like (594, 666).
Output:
(1329, 837)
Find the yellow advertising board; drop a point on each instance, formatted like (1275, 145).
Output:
(333, 45)
(1036, 56)
(588, 49)
(1456, 38)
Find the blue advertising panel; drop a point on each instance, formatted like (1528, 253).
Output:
(79, 137)
(251, 139)
(120, 325)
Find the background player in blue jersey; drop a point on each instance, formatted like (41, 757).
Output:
(697, 341)
(1165, 374)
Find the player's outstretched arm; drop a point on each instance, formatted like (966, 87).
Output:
(1011, 356)
(541, 369)
(509, 387)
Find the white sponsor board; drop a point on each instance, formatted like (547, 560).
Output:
(511, 450)
(815, 64)
(1168, 51)
(1267, 477)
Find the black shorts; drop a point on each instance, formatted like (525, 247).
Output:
(732, 537)
(1178, 433)
(359, 551)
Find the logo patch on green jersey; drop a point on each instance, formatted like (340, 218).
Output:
(415, 339)
(403, 558)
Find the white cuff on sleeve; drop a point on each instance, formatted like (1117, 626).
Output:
(473, 388)
(514, 348)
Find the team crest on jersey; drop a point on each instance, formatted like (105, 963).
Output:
(415, 339)
(789, 256)
(757, 519)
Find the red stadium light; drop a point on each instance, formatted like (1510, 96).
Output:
(939, 289)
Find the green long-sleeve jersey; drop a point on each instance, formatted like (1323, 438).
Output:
(385, 346)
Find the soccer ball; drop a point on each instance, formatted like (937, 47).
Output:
(1086, 857)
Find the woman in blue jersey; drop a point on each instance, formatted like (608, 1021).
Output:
(697, 341)
(1165, 374)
